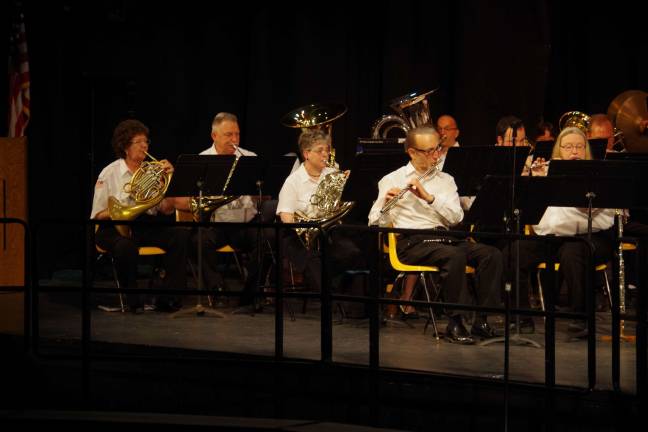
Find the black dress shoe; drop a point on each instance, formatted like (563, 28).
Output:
(527, 326)
(481, 329)
(168, 306)
(456, 332)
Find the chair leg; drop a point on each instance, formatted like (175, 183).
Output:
(607, 288)
(238, 267)
(540, 292)
(430, 311)
(118, 285)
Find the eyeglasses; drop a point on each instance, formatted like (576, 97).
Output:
(429, 151)
(570, 147)
(445, 129)
(320, 150)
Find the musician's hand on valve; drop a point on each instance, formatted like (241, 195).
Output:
(168, 168)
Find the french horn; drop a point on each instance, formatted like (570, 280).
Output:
(147, 188)
(315, 116)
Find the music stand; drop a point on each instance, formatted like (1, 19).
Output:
(366, 171)
(627, 156)
(598, 146)
(270, 176)
(533, 195)
(199, 175)
(469, 165)
(543, 149)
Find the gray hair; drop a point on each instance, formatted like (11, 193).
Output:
(308, 138)
(421, 130)
(221, 117)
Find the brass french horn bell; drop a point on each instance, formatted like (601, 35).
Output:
(575, 119)
(315, 116)
(626, 111)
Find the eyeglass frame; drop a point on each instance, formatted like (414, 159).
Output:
(428, 152)
(570, 147)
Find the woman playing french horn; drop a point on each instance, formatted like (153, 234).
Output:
(295, 198)
(118, 197)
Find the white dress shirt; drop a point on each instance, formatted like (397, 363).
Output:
(297, 190)
(570, 221)
(241, 209)
(414, 212)
(111, 182)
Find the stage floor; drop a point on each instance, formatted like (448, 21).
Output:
(401, 347)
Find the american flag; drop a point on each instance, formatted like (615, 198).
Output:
(19, 111)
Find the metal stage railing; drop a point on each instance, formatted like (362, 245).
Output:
(374, 299)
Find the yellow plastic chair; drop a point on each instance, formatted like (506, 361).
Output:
(407, 269)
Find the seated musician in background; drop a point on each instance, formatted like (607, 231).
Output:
(433, 203)
(295, 195)
(447, 128)
(545, 132)
(601, 128)
(130, 141)
(226, 137)
(504, 135)
(571, 144)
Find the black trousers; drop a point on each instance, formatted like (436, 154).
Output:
(213, 238)
(125, 253)
(422, 249)
(572, 256)
(342, 254)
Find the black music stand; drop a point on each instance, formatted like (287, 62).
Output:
(598, 146)
(271, 175)
(199, 175)
(366, 171)
(543, 149)
(492, 207)
(469, 165)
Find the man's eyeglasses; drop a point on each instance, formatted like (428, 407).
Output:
(570, 147)
(446, 129)
(428, 151)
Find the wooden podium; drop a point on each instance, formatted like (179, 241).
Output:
(13, 204)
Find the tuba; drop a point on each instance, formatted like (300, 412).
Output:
(326, 207)
(412, 110)
(147, 188)
(315, 116)
(575, 119)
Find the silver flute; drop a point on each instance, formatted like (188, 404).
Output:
(386, 208)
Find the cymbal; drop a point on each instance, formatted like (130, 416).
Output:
(313, 115)
(615, 105)
(629, 115)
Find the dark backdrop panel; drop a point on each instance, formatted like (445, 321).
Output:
(175, 65)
